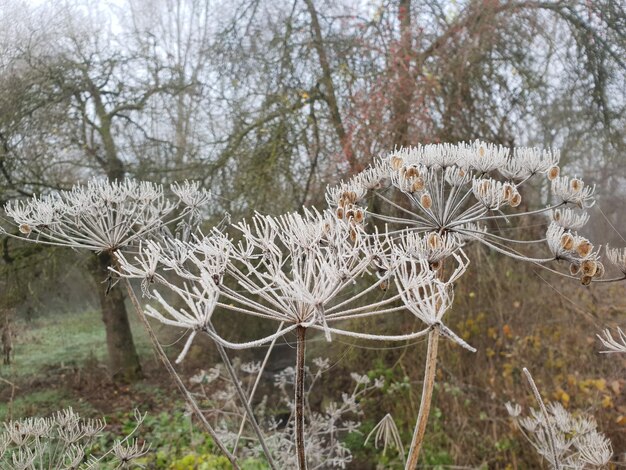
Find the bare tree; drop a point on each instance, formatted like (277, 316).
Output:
(95, 91)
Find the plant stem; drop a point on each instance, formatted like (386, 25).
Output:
(299, 403)
(246, 403)
(256, 384)
(179, 383)
(546, 417)
(427, 395)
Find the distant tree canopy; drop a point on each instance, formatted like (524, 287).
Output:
(265, 101)
(258, 95)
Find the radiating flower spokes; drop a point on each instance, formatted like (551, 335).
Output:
(101, 215)
(574, 191)
(387, 432)
(191, 194)
(454, 189)
(304, 276)
(432, 247)
(144, 266)
(617, 257)
(564, 440)
(428, 300)
(569, 219)
(426, 295)
(613, 345)
(62, 440)
(306, 262)
(527, 162)
(200, 301)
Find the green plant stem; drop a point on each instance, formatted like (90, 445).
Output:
(299, 399)
(427, 395)
(179, 383)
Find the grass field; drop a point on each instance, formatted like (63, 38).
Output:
(53, 355)
(60, 361)
(58, 341)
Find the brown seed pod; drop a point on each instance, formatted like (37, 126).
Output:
(576, 185)
(553, 173)
(585, 280)
(600, 271)
(583, 248)
(417, 185)
(434, 240)
(396, 162)
(349, 197)
(567, 241)
(359, 215)
(411, 172)
(574, 269)
(482, 151)
(435, 265)
(556, 215)
(507, 191)
(484, 187)
(353, 234)
(25, 229)
(426, 201)
(349, 214)
(516, 199)
(589, 267)
(384, 285)
(340, 212)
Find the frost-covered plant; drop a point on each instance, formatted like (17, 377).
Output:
(613, 345)
(617, 257)
(110, 217)
(326, 426)
(317, 270)
(300, 271)
(465, 190)
(451, 195)
(565, 441)
(299, 268)
(64, 441)
(104, 216)
(387, 432)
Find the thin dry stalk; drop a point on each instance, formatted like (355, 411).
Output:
(179, 383)
(427, 395)
(299, 403)
(546, 417)
(256, 384)
(245, 400)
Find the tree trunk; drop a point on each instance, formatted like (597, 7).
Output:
(403, 94)
(329, 90)
(124, 363)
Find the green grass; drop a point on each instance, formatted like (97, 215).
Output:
(38, 404)
(59, 341)
(49, 348)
